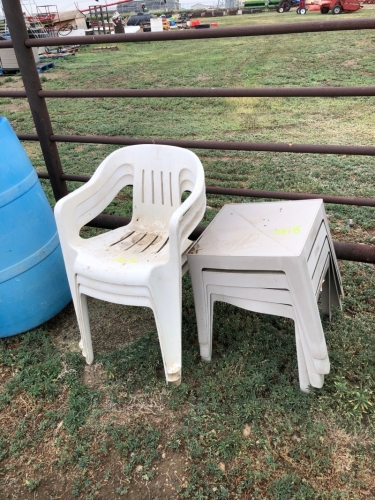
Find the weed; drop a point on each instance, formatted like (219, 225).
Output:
(122, 491)
(3, 448)
(35, 364)
(32, 484)
(292, 487)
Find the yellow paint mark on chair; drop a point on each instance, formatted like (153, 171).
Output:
(287, 230)
(121, 260)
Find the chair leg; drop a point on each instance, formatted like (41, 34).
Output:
(82, 313)
(205, 329)
(330, 292)
(303, 376)
(307, 313)
(320, 365)
(202, 313)
(335, 288)
(316, 379)
(167, 311)
(327, 293)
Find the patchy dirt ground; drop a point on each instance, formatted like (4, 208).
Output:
(34, 473)
(112, 326)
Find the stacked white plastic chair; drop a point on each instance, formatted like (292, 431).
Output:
(142, 263)
(273, 258)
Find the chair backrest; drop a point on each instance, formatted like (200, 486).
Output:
(160, 175)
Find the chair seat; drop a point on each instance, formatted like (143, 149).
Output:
(125, 255)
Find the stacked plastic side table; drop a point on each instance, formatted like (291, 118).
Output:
(273, 258)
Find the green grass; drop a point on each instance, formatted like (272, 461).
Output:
(336, 58)
(239, 427)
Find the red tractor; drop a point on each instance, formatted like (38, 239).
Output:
(335, 6)
(339, 6)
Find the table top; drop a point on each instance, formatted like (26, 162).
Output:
(252, 229)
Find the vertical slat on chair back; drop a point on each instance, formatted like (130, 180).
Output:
(157, 186)
(161, 174)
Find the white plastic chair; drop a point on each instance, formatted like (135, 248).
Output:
(274, 258)
(140, 264)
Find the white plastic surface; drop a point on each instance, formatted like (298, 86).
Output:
(140, 264)
(272, 255)
(156, 24)
(131, 29)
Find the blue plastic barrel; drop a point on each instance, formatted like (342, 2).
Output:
(33, 282)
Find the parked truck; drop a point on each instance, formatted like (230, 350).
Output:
(278, 5)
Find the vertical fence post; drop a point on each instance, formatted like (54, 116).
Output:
(31, 81)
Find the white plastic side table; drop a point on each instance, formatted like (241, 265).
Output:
(284, 252)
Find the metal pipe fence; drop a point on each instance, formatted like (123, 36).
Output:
(202, 92)
(275, 147)
(233, 32)
(254, 193)
(48, 139)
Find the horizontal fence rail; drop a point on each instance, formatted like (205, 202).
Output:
(254, 193)
(202, 92)
(276, 147)
(193, 34)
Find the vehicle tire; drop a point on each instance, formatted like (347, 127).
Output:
(297, 10)
(336, 9)
(302, 11)
(284, 6)
(324, 10)
(287, 6)
(65, 30)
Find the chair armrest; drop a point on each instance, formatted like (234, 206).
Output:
(82, 205)
(186, 218)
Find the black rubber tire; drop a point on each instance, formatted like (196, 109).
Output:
(336, 9)
(65, 30)
(297, 11)
(284, 6)
(324, 10)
